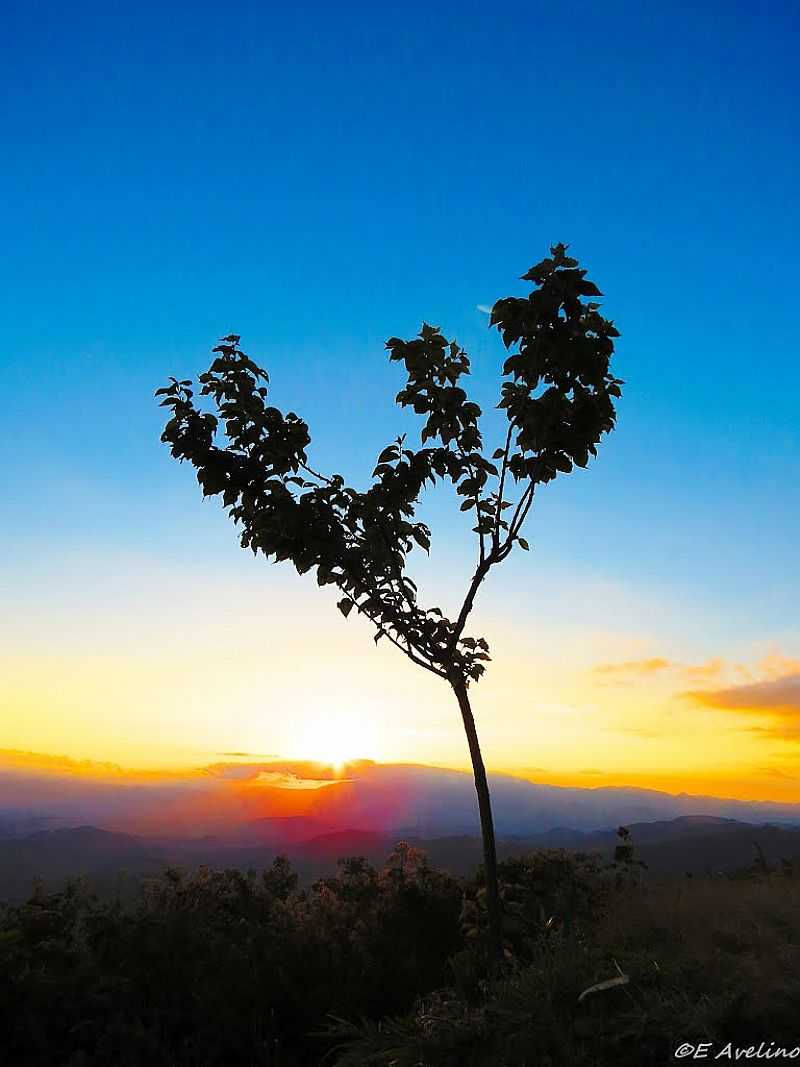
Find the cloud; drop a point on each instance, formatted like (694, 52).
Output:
(631, 670)
(283, 780)
(776, 772)
(776, 699)
(284, 774)
(634, 667)
(249, 755)
(234, 772)
(775, 665)
(780, 729)
(704, 672)
(777, 696)
(484, 309)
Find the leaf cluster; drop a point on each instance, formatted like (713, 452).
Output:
(558, 394)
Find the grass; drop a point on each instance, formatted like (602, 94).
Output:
(387, 968)
(706, 960)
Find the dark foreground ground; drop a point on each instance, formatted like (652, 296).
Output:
(386, 966)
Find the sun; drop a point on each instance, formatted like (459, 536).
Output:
(336, 741)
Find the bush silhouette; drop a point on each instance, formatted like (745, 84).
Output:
(377, 966)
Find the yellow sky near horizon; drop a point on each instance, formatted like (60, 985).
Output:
(148, 670)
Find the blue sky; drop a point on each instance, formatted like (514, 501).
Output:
(320, 179)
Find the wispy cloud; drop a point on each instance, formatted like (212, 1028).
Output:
(633, 667)
(249, 755)
(778, 729)
(778, 696)
(703, 672)
(293, 781)
(288, 774)
(776, 699)
(775, 665)
(776, 772)
(484, 309)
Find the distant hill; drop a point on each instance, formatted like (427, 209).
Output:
(115, 863)
(288, 802)
(432, 802)
(699, 845)
(54, 856)
(58, 822)
(695, 844)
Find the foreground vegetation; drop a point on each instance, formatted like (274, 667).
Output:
(389, 967)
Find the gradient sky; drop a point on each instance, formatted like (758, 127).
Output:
(318, 180)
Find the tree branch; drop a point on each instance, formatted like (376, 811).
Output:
(520, 514)
(476, 498)
(458, 629)
(405, 649)
(316, 474)
(503, 469)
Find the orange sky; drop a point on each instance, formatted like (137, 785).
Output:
(138, 671)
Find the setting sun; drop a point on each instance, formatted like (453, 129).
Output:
(335, 741)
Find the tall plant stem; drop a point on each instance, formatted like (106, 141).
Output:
(487, 823)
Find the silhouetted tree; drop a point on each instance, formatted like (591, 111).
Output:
(558, 394)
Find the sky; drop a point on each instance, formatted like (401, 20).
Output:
(318, 180)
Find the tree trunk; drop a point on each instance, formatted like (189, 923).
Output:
(487, 823)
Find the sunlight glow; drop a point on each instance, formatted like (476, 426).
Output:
(336, 741)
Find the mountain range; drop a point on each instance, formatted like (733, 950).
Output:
(115, 828)
(114, 863)
(308, 799)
